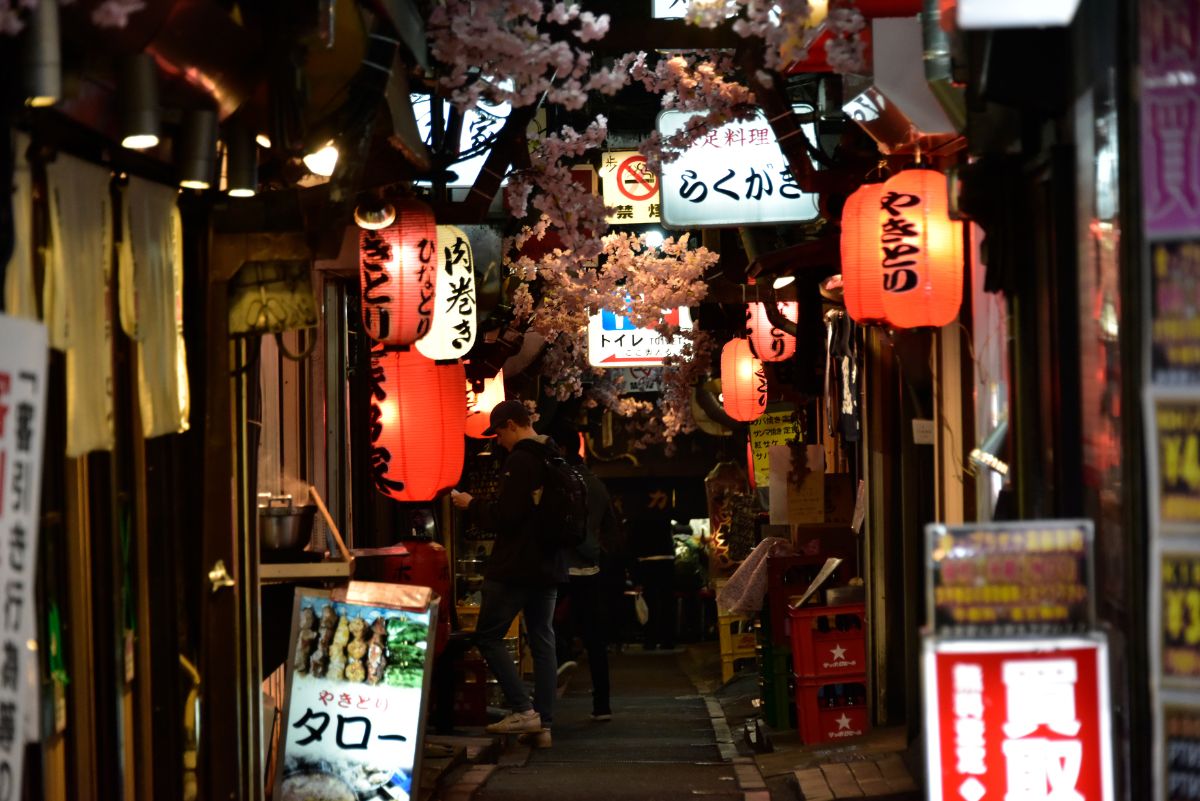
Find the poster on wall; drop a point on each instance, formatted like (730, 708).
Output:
(358, 677)
(1174, 461)
(1180, 759)
(1018, 719)
(770, 429)
(1180, 623)
(1007, 579)
(1175, 323)
(23, 360)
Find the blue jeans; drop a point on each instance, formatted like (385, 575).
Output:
(500, 604)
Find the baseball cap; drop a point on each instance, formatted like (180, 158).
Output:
(503, 412)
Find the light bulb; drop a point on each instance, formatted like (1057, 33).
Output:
(140, 141)
(322, 162)
(782, 281)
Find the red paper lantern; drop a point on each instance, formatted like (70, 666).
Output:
(398, 275)
(743, 382)
(770, 343)
(921, 249)
(480, 404)
(862, 272)
(418, 413)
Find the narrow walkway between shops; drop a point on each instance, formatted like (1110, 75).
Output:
(660, 745)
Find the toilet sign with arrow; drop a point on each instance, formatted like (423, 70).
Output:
(614, 341)
(630, 188)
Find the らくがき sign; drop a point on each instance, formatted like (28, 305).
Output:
(1018, 720)
(734, 175)
(355, 710)
(614, 341)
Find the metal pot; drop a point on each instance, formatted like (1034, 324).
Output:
(283, 527)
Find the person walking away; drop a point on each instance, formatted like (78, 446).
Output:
(522, 574)
(655, 549)
(584, 591)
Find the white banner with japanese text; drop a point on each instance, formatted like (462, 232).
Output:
(23, 359)
(355, 712)
(735, 175)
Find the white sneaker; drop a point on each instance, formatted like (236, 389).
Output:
(517, 723)
(564, 677)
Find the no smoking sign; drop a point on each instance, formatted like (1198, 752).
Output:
(630, 188)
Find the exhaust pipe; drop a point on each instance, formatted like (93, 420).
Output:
(938, 75)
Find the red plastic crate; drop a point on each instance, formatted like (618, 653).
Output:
(818, 722)
(826, 654)
(470, 692)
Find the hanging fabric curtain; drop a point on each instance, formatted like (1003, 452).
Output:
(418, 416)
(75, 296)
(922, 251)
(398, 275)
(768, 342)
(862, 270)
(743, 382)
(150, 280)
(20, 296)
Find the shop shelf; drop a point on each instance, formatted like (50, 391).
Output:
(820, 649)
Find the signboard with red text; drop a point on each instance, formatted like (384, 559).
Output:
(1018, 720)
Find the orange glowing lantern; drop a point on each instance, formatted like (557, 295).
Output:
(921, 251)
(743, 382)
(862, 271)
(418, 413)
(398, 275)
(480, 404)
(770, 343)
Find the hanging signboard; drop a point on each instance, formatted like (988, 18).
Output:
(640, 380)
(480, 125)
(22, 428)
(358, 677)
(669, 9)
(452, 332)
(1006, 579)
(735, 175)
(1018, 719)
(630, 188)
(613, 341)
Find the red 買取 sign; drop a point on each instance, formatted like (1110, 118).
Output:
(1018, 720)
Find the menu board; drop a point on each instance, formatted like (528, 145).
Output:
(999, 579)
(1181, 760)
(482, 481)
(1175, 331)
(1181, 616)
(358, 674)
(769, 430)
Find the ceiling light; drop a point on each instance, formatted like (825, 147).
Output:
(653, 239)
(263, 140)
(782, 281)
(374, 214)
(322, 162)
(138, 95)
(43, 57)
(241, 169)
(197, 149)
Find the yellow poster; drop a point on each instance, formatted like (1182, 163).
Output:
(772, 428)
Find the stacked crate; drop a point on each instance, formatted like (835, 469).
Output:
(776, 684)
(736, 636)
(829, 653)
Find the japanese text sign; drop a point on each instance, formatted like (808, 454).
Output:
(1181, 617)
(613, 341)
(772, 428)
(453, 330)
(480, 126)
(1170, 112)
(640, 380)
(669, 9)
(1018, 720)
(735, 175)
(630, 188)
(22, 427)
(1175, 330)
(1176, 440)
(356, 698)
(1006, 579)
(1181, 756)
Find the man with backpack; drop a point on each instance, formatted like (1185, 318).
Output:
(539, 511)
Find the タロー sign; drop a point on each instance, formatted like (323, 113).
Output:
(1017, 720)
(358, 673)
(996, 580)
(734, 175)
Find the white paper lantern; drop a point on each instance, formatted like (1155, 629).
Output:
(453, 331)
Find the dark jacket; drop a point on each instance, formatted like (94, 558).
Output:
(517, 556)
(601, 522)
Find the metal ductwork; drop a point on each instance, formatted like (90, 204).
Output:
(938, 68)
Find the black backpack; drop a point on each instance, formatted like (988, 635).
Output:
(562, 510)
